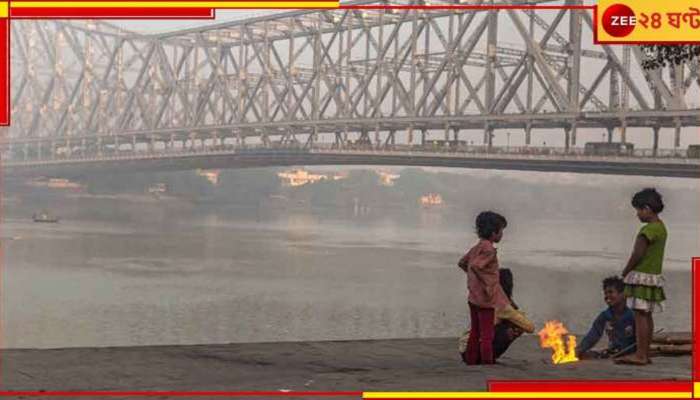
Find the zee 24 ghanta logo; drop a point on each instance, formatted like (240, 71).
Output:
(619, 20)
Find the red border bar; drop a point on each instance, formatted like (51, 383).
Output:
(4, 71)
(695, 276)
(111, 13)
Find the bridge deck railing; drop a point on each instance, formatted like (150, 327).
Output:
(526, 153)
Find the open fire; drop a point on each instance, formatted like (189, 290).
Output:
(552, 336)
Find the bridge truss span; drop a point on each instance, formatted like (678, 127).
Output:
(370, 77)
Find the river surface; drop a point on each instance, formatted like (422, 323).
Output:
(158, 272)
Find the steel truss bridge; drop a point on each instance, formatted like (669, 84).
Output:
(346, 86)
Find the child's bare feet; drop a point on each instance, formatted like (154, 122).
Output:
(632, 360)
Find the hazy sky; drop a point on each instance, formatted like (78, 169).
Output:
(165, 26)
(222, 16)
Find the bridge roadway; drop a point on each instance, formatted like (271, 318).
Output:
(267, 157)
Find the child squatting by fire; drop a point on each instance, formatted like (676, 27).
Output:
(486, 296)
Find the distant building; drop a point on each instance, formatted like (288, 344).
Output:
(387, 178)
(56, 183)
(431, 200)
(211, 175)
(300, 177)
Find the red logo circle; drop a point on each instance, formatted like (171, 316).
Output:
(619, 20)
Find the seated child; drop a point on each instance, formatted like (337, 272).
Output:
(617, 321)
(510, 321)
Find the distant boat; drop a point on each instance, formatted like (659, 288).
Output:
(44, 217)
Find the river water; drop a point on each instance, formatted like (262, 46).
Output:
(160, 272)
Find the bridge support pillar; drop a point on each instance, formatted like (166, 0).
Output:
(677, 137)
(655, 146)
(610, 135)
(528, 134)
(364, 137)
(567, 138)
(392, 137)
(488, 136)
(573, 134)
(338, 139)
(422, 137)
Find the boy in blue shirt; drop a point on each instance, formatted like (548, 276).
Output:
(617, 321)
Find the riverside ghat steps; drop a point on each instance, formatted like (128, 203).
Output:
(356, 365)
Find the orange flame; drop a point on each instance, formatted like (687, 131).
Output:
(551, 336)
